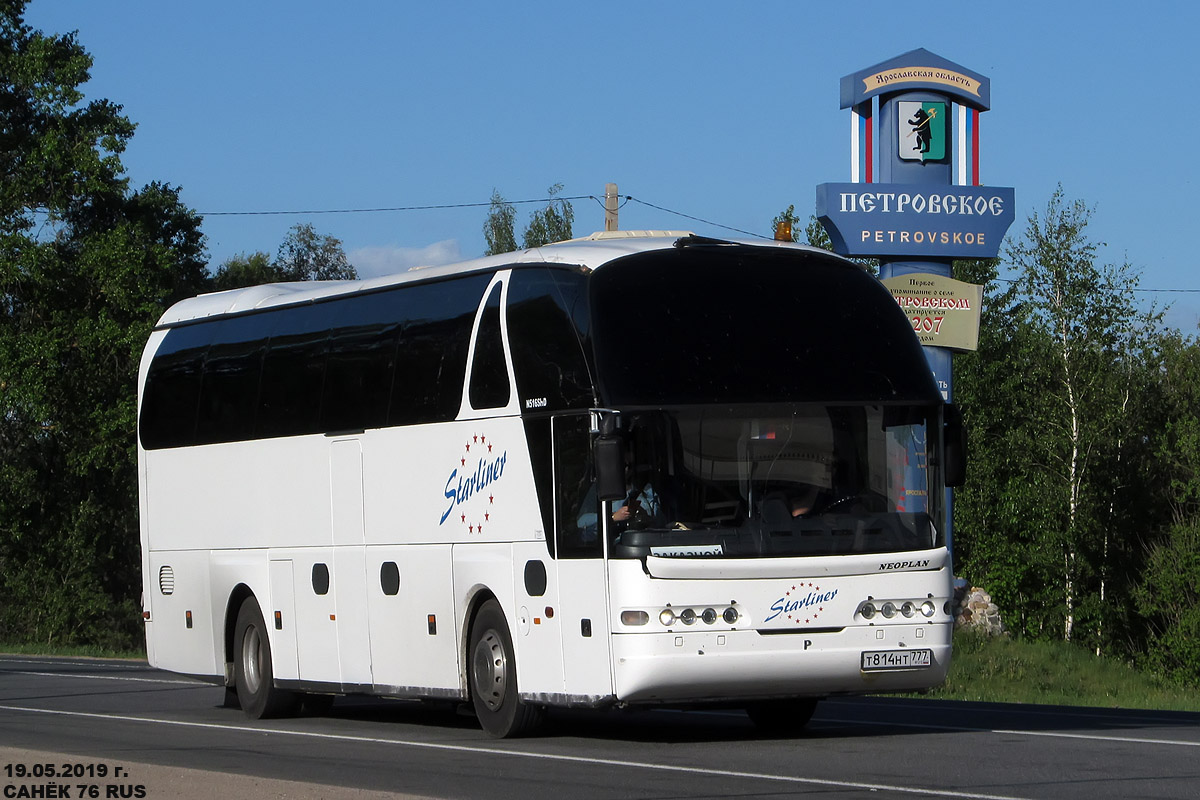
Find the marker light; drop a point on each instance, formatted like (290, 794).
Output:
(634, 617)
(666, 617)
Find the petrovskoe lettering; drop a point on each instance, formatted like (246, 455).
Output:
(934, 302)
(924, 237)
(961, 205)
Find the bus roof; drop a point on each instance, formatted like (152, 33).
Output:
(590, 252)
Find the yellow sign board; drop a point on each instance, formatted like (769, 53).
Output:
(944, 312)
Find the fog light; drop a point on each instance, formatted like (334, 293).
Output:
(928, 609)
(667, 617)
(687, 616)
(908, 609)
(867, 611)
(634, 617)
(730, 616)
(888, 610)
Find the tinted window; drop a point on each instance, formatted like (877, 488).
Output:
(293, 374)
(359, 362)
(393, 357)
(489, 371)
(229, 391)
(578, 524)
(431, 360)
(737, 325)
(547, 319)
(172, 392)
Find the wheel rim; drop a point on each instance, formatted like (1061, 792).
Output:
(251, 658)
(490, 670)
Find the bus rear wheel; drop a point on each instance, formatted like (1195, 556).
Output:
(253, 673)
(782, 717)
(493, 677)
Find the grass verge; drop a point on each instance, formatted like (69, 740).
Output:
(72, 651)
(1004, 670)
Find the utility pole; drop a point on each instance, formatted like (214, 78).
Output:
(610, 206)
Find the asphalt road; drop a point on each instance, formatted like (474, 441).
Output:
(63, 722)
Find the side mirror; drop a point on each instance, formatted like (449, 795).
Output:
(955, 436)
(610, 468)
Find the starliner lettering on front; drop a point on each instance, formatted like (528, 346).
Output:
(460, 488)
(786, 606)
(893, 565)
(964, 205)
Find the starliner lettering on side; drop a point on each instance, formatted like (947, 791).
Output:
(486, 471)
(893, 565)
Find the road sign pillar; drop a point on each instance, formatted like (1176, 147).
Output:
(915, 200)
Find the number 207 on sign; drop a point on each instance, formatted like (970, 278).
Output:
(927, 324)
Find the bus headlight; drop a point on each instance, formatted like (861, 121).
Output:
(731, 615)
(709, 616)
(634, 617)
(666, 617)
(928, 609)
(908, 609)
(888, 610)
(867, 611)
(687, 616)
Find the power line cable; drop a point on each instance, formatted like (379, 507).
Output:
(698, 219)
(626, 199)
(381, 209)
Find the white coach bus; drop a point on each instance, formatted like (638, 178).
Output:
(617, 471)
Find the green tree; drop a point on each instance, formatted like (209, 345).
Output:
(552, 223)
(1168, 592)
(247, 270)
(498, 227)
(306, 255)
(1051, 513)
(86, 267)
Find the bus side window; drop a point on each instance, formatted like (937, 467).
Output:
(431, 360)
(359, 365)
(489, 370)
(229, 391)
(549, 357)
(578, 529)
(172, 394)
(293, 375)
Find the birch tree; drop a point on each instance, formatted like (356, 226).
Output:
(1089, 314)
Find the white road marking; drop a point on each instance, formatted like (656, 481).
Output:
(605, 762)
(196, 684)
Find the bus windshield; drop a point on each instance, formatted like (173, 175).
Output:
(799, 480)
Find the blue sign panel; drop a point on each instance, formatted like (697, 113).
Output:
(915, 220)
(918, 69)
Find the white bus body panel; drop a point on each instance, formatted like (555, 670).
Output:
(799, 649)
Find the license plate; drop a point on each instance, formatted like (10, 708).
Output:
(881, 660)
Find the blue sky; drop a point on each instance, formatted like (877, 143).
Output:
(723, 111)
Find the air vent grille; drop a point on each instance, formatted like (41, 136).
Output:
(166, 579)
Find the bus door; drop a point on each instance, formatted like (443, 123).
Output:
(579, 556)
(350, 561)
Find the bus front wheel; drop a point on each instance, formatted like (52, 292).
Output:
(493, 677)
(254, 676)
